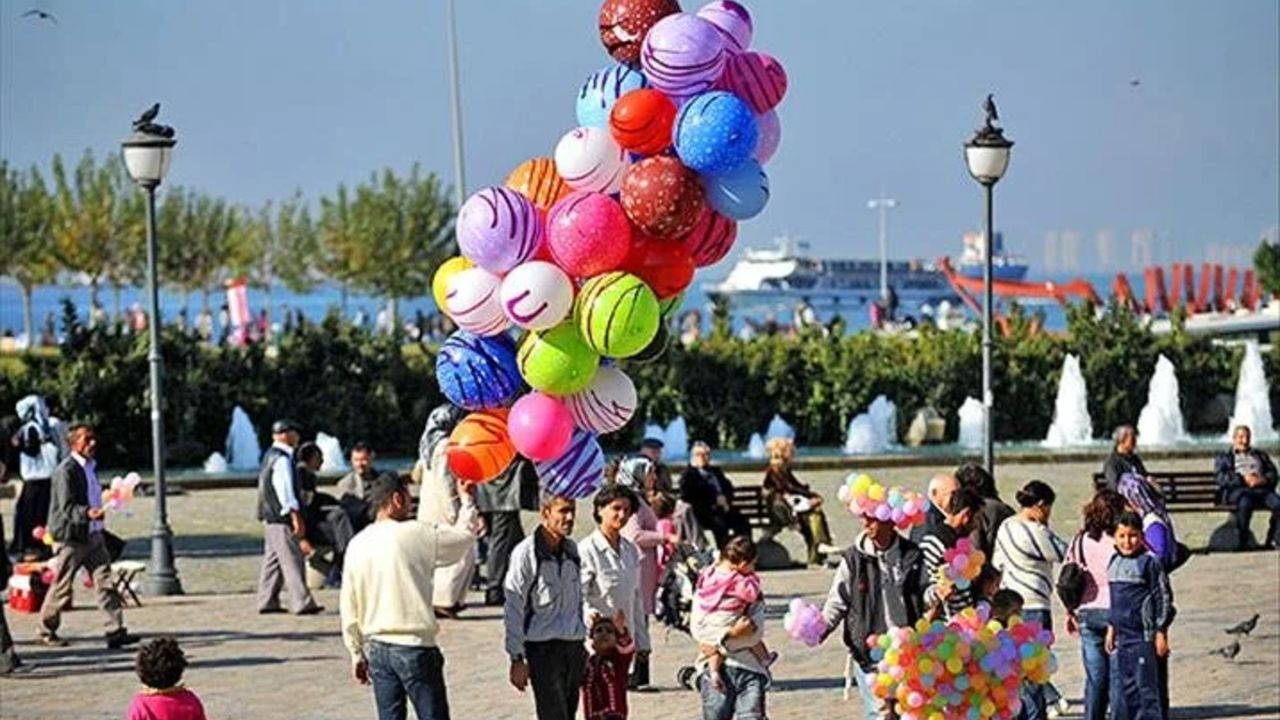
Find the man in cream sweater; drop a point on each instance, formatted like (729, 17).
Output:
(387, 620)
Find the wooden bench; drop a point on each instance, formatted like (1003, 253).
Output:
(1184, 491)
(749, 501)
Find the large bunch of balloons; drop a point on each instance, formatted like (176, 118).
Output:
(867, 498)
(969, 668)
(961, 565)
(587, 251)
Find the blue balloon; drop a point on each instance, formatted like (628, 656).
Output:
(739, 194)
(602, 89)
(715, 132)
(478, 373)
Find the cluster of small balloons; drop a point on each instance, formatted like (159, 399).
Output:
(588, 251)
(868, 498)
(961, 564)
(969, 668)
(118, 494)
(42, 534)
(804, 623)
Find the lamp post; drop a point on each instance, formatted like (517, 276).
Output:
(987, 155)
(147, 153)
(455, 104)
(884, 205)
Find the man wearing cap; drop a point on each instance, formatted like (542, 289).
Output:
(283, 533)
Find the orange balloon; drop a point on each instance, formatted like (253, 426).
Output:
(479, 447)
(538, 180)
(641, 121)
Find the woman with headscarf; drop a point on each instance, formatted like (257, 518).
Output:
(439, 502)
(639, 475)
(39, 452)
(794, 504)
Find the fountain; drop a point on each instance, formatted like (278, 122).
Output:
(755, 448)
(1253, 401)
(243, 450)
(1071, 423)
(676, 440)
(875, 430)
(334, 459)
(1160, 422)
(971, 423)
(779, 428)
(216, 464)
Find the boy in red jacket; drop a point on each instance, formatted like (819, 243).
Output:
(604, 685)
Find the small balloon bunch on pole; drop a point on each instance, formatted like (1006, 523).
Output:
(969, 668)
(804, 623)
(960, 565)
(867, 498)
(118, 494)
(586, 252)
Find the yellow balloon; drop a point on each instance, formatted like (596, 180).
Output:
(440, 281)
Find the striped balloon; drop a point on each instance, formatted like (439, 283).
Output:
(478, 373)
(479, 447)
(711, 239)
(538, 180)
(588, 158)
(578, 472)
(498, 228)
(732, 20)
(617, 314)
(471, 300)
(757, 78)
(602, 89)
(683, 55)
(606, 405)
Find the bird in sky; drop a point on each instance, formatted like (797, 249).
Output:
(40, 15)
(1135, 82)
(1245, 627)
(1229, 652)
(990, 107)
(147, 116)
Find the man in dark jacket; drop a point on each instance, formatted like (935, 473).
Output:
(1123, 459)
(75, 520)
(878, 585)
(500, 501)
(710, 497)
(994, 510)
(1247, 480)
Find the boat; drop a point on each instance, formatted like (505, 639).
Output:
(1004, 265)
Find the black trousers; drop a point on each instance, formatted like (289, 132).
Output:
(1246, 500)
(328, 523)
(505, 532)
(30, 512)
(724, 525)
(556, 668)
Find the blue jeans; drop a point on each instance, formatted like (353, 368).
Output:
(1036, 698)
(1097, 664)
(1135, 682)
(400, 672)
(874, 708)
(741, 699)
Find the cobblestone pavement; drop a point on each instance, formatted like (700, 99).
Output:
(248, 666)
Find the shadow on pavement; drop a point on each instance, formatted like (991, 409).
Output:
(807, 684)
(1222, 712)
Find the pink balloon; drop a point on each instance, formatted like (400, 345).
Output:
(588, 233)
(770, 135)
(540, 426)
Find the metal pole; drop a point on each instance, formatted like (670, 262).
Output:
(162, 577)
(455, 99)
(988, 396)
(884, 250)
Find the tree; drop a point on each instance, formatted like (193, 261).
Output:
(26, 246)
(195, 239)
(275, 245)
(1266, 260)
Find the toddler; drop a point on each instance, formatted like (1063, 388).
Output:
(159, 665)
(727, 593)
(604, 682)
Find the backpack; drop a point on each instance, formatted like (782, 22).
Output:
(1073, 579)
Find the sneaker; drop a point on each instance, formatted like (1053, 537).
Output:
(313, 610)
(828, 549)
(119, 639)
(271, 611)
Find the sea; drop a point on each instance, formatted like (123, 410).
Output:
(47, 303)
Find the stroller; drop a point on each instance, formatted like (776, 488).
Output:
(676, 594)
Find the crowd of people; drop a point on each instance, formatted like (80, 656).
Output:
(577, 614)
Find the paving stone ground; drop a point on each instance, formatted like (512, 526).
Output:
(273, 667)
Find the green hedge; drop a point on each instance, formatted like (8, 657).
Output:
(346, 382)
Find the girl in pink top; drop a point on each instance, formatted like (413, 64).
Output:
(1092, 549)
(160, 665)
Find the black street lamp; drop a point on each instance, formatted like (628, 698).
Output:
(987, 155)
(147, 153)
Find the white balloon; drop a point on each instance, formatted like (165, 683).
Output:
(536, 295)
(471, 300)
(589, 159)
(606, 405)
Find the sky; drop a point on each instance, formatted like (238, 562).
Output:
(273, 96)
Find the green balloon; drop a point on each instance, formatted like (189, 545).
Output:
(617, 314)
(671, 306)
(557, 361)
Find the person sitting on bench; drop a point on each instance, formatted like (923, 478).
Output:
(1247, 481)
(710, 495)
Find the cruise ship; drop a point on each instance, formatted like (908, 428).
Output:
(1004, 265)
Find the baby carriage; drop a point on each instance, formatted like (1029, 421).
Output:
(676, 594)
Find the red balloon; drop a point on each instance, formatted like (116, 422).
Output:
(662, 197)
(711, 239)
(664, 265)
(641, 121)
(624, 23)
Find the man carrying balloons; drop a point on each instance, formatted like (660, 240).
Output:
(879, 583)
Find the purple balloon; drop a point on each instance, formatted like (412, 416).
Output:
(499, 228)
(578, 471)
(769, 135)
(683, 55)
(732, 20)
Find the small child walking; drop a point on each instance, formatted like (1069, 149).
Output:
(727, 592)
(1137, 630)
(160, 665)
(604, 682)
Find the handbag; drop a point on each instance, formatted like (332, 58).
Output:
(1073, 579)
